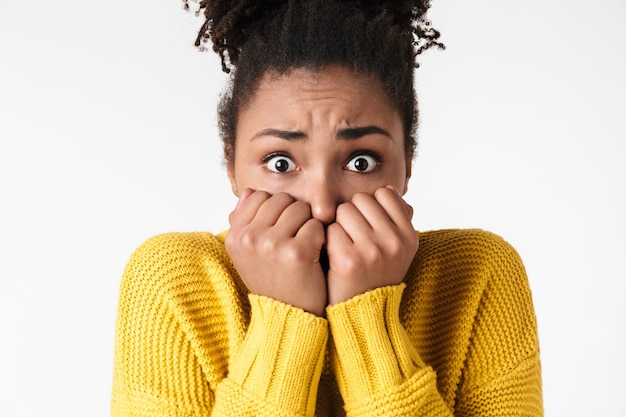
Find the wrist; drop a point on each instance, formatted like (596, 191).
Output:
(370, 349)
(281, 358)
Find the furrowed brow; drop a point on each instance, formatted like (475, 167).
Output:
(358, 132)
(281, 134)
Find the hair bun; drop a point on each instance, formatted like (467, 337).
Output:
(229, 23)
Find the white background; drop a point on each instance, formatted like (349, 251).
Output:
(107, 136)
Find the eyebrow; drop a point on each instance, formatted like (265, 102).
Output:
(358, 132)
(347, 134)
(281, 134)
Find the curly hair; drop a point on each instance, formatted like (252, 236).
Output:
(379, 38)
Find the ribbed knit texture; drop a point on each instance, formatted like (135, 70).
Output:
(458, 337)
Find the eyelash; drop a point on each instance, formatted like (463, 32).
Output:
(273, 155)
(377, 157)
(267, 157)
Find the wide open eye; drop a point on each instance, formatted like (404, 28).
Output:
(279, 163)
(362, 163)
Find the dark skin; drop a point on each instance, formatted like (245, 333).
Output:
(320, 163)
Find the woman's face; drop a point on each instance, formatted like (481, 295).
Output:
(320, 137)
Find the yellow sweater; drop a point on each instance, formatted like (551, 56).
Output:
(458, 337)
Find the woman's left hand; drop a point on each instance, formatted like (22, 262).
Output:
(371, 244)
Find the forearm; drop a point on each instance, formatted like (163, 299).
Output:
(378, 370)
(278, 367)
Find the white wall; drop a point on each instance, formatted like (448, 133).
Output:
(107, 137)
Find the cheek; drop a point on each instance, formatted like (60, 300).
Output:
(398, 174)
(244, 179)
(250, 174)
(239, 174)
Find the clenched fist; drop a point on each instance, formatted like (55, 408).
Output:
(370, 245)
(275, 245)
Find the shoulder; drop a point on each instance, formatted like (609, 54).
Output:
(175, 244)
(175, 262)
(467, 261)
(476, 265)
(470, 299)
(469, 247)
(168, 251)
(456, 239)
(190, 275)
(468, 285)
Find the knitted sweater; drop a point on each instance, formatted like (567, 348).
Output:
(457, 337)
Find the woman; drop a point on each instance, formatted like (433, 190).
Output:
(317, 301)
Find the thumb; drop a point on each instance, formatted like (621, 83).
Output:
(408, 208)
(243, 196)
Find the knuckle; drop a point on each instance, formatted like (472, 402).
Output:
(248, 238)
(359, 198)
(315, 226)
(395, 246)
(343, 209)
(229, 242)
(263, 194)
(350, 264)
(382, 192)
(373, 255)
(301, 206)
(284, 197)
(270, 244)
(291, 253)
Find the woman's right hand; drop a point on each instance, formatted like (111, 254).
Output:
(275, 245)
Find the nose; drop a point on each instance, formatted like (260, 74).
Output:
(324, 195)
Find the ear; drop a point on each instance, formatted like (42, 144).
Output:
(231, 177)
(409, 167)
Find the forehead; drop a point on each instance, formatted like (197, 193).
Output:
(320, 80)
(328, 93)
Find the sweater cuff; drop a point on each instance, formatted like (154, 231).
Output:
(370, 350)
(282, 356)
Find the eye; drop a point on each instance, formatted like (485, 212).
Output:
(279, 163)
(362, 163)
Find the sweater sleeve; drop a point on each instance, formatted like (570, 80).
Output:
(278, 368)
(378, 370)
